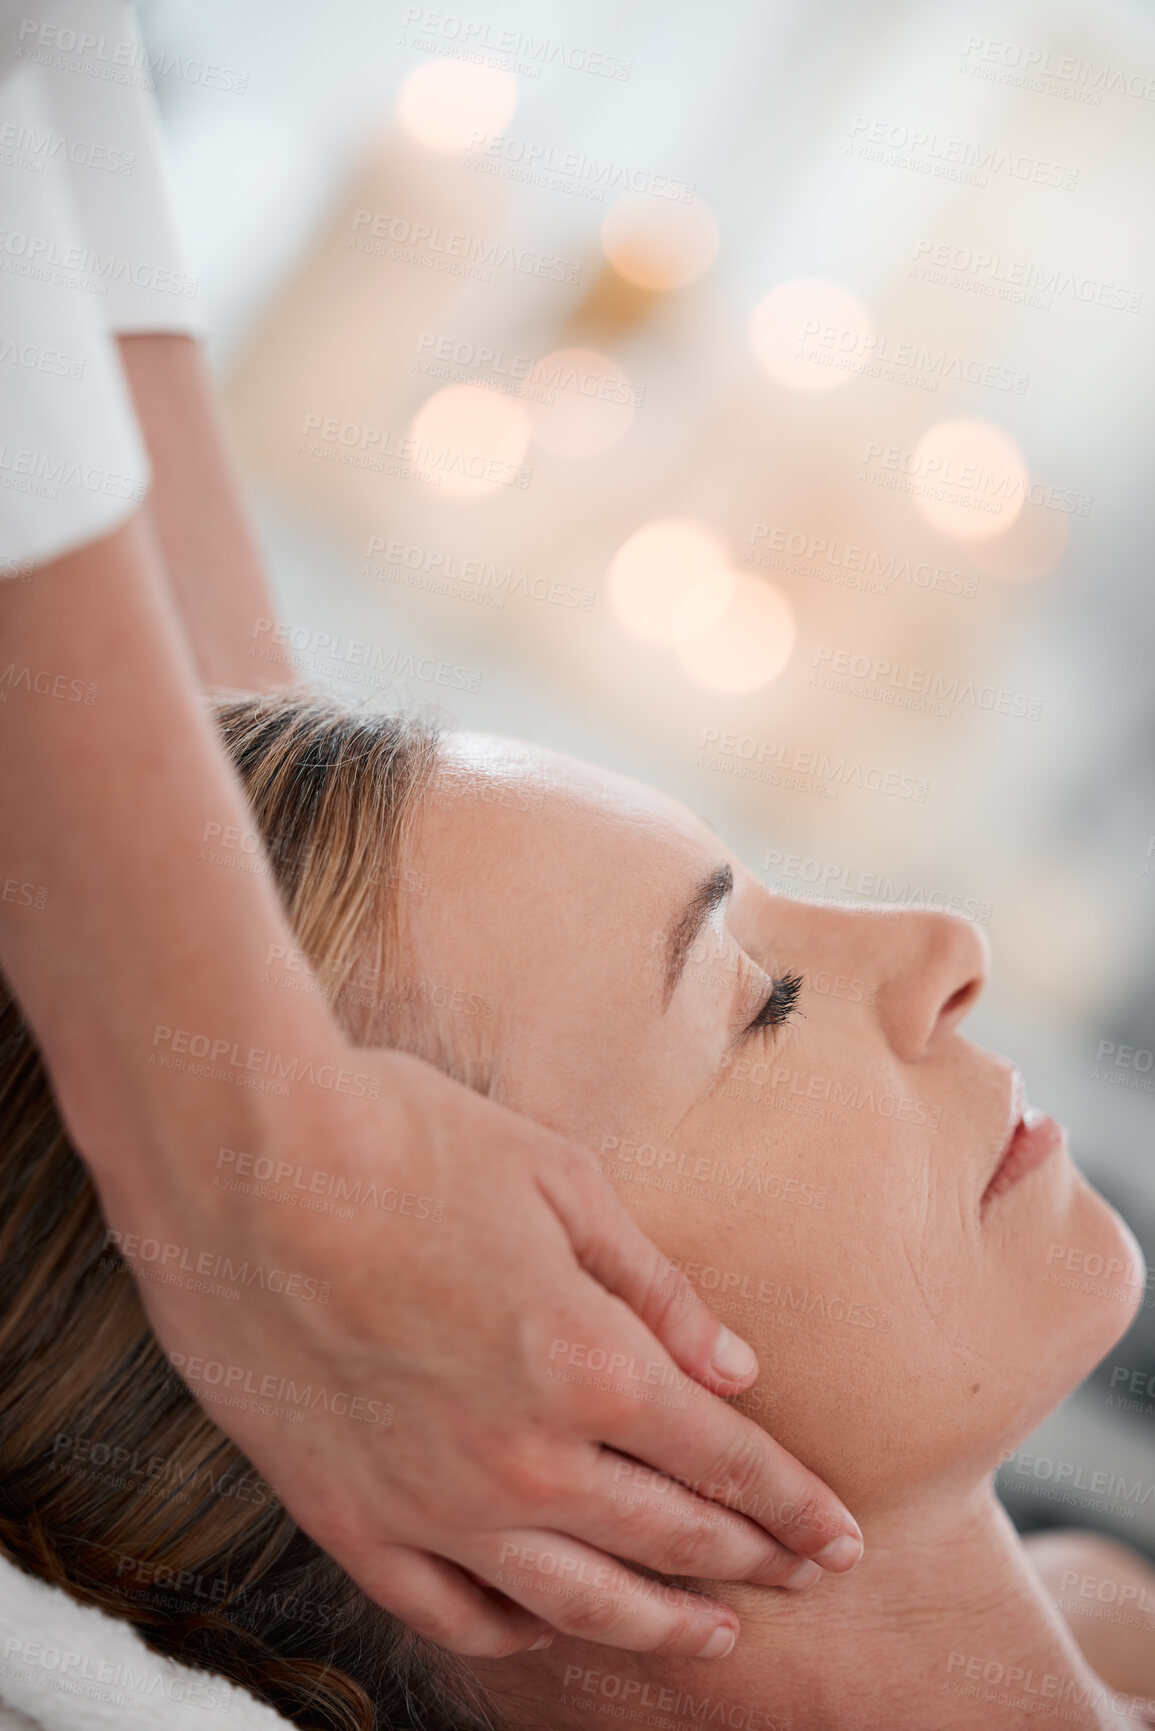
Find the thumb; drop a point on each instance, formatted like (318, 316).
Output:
(617, 1253)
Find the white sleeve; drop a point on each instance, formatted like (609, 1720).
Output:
(95, 75)
(87, 249)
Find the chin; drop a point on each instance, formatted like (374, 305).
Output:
(1081, 1317)
(1079, 1283)
(1095, 1273)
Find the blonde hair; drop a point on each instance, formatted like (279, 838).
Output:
(336, 795)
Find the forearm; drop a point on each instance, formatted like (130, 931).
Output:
(211, 562)
(113, 805)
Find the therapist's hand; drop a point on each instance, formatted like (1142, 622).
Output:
(504, 1357)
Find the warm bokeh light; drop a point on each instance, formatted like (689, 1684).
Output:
(1034, 544)
(580, 402)
(660, 243)
(450, 105)
(967, 478)
(811, 335)
(738, 641)
(653, 572)
(703, 604)
(468, 442)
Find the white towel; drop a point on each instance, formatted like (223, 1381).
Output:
(69, 1667)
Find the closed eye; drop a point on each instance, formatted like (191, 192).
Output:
(779, 1005)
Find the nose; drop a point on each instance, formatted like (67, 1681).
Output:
(931, 971)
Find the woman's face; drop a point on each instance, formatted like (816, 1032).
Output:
(823, 1181)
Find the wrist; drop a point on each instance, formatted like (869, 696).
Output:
(151, 1116)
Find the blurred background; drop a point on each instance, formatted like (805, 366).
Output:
(757, 399)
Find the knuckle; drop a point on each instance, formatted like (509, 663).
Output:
(686, 1551)
(532, 1489)
(533, 1478)
(426, 1508)
(677, 1635)
(670, 1294)
(807, 1516)
(591, 1619)
(481, 1643)
(513, 1640)
(459, 1629)
(575, 1162)
(740, 1470)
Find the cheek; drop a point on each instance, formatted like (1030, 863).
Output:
(832, 1171)
(811, 1229)
(619, 1082)
(819, 1216)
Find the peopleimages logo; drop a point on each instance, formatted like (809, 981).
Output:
(1098, 1482)
(444, 572)
(592, 1691)
(413, 458)
(847, 565)
(84, 1456)
(38, 253)
(435, 31)
(857, 674)
(117, 62)
(35, 148)
(228, 1384)
(799, 768)
(28, 471)
(35, 359)
(117, 1683)
(223, 1059)
(354, 658)
(1017, 280)
(991, 56)
(571, 170)
(424, 243)
(213, 1265)
(929, 152)
(1038, 1692)
(901, 361)
(833, 881)
(979, 487)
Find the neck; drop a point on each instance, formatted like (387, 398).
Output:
(942, 1623)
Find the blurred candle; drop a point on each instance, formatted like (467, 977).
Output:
(735, 633)
(967, 478)
(660, 243)
(579, 402)
(811, 335)
(469, 442)
(449, 106)
(653, 572)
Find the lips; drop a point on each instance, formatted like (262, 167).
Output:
(1033, 1139)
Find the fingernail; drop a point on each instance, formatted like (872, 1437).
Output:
(720, 1643)
(545, 1639)
(840, 1554)
(804, 1575)
(732, 1357)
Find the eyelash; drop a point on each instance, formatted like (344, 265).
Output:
(780, 1004)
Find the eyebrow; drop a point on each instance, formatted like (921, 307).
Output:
(709, 895)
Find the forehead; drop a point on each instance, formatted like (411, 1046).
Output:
(519, 845)
(501, 790)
